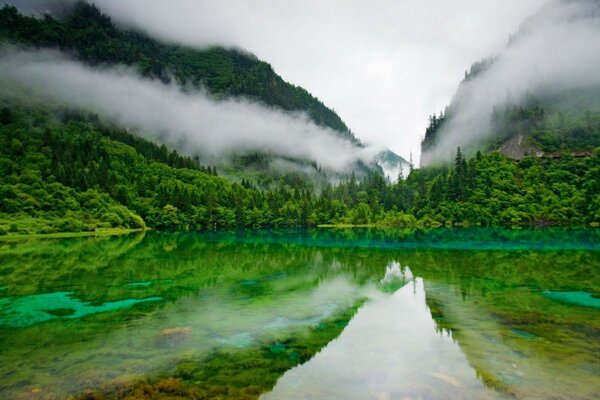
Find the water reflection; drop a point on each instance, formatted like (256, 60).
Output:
(302, 314)
(391, 349)
(187, 330)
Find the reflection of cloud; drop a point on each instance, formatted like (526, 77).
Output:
(147, 344)
(394, 272)
(390, 349)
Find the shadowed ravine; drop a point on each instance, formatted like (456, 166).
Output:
(319, 314)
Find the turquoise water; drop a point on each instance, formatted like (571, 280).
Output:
(28, 310)
(352, 314)
(584, 299)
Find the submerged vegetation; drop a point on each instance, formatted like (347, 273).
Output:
(225, 315)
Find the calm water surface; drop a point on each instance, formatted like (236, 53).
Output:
(324, 314)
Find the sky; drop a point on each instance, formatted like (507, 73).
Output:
(382, 66)
(532, 65)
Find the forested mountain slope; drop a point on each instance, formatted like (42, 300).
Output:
(84, 33)
(534, 98)
(68, 170)
(71, 173)
(95, 39)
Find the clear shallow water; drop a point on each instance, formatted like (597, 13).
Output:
(320, 314)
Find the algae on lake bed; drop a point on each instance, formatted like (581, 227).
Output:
(28, 310)
(240, 310)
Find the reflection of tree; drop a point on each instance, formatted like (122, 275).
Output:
(518, 340)
(487, 299)
(34, 266)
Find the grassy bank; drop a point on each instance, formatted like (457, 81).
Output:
(63, 235)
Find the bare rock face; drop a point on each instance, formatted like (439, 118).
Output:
(518, 147)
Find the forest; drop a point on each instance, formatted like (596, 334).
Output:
(72, 173)
(65, 170)
(85, 32)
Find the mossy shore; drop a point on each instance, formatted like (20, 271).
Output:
(62, 235)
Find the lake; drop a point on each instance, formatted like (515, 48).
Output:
(320, 314)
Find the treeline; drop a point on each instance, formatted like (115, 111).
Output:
(550, 130)
(70, 173)
(95, 39)
(546, 129)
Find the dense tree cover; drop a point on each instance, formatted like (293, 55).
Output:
(63, 171)
(546, 128)
(74, 174)
(566, 121)
(224, 72)
(434, 125)
(550, 130)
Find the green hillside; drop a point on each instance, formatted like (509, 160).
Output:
(72, 173)
(528, 99)
(566, 122)
(96, 40)
(68, 171)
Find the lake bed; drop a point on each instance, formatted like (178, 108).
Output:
(324, 314)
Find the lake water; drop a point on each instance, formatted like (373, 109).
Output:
(323, 314)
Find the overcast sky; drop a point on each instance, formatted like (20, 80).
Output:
(383, 65)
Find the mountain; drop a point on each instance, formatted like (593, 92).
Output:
(97, 41)
(83, 31)
(77, 153)
(392, 164)
(535, 97)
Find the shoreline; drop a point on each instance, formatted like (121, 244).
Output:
(66, 235)
(592, 225)
(121, 232)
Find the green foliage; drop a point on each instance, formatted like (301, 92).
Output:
(69, 172)
(73, 174)
(95, 39)
(566, 122)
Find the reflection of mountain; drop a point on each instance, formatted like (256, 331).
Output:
(241, 309)
(390, 350)
(268, 306)
(520, 342)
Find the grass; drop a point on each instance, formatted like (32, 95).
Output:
(62, 235)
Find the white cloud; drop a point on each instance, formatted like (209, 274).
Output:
(383, 66)
(186, 120)
(557, 50)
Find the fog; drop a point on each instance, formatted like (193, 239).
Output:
(383, 66)
(557, 49)
(189, 120)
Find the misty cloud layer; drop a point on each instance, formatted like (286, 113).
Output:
(383, 66)
(190, 121)
(556, 50)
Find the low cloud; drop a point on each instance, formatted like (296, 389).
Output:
(188, 120)
(556, 50)
(383, 66)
